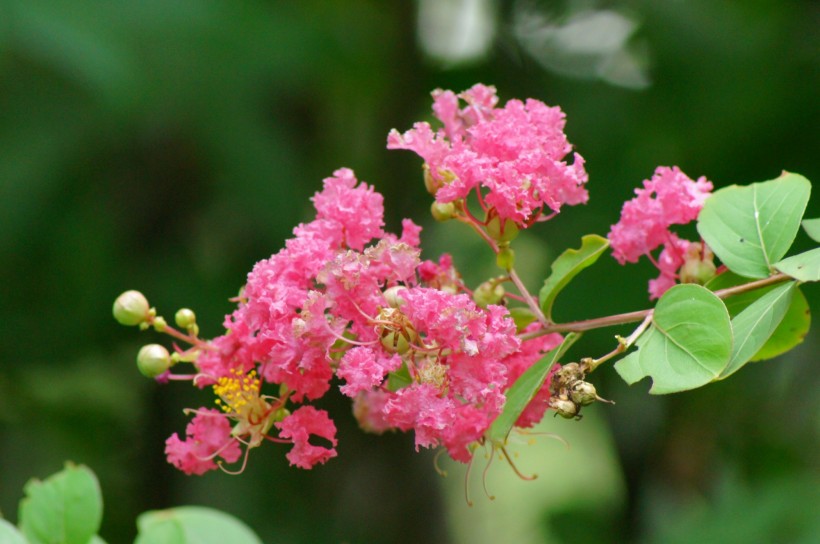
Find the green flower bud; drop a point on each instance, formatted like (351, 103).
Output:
(698, 266)
(505, 258)
(393, 296)
(131, 308)
(430, 183)
(487, 293)
(564, 407)
(153, 360)
(160, 324)
(185, 318)
(442, 211)
(395, 342)
(503, 234)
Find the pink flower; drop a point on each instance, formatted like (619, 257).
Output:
(357, 210)
(669, 198)
(422, 408)
(363, 369)
(208, 436)
(305, 422)
(515, 153)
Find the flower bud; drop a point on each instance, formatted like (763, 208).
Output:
(131, 308)
(698, 266)
(505, 258)
(153, 360)
(487, 293)
(395, 342)
(185, 318)
(393, 297)
(443, 211)
(502, 233)
(160, 324)
(564, 407)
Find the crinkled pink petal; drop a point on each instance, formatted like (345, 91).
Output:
(305, 422)
(208, 436)
(364, 368)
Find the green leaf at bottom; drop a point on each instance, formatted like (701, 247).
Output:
(192, 525)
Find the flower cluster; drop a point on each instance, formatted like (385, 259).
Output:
(511, 157)
(669, 198)
(345, 300)
(347, 305)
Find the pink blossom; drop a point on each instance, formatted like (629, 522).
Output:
(208, 435)
(305, 422)
(363, 369)
(669, 198)
(422, 408)
(515, 153)
(358, 211)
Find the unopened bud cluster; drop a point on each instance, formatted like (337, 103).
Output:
(570, 392)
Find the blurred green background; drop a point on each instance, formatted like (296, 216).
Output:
(167, 146)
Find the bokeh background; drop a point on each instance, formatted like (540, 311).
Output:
(167, 146)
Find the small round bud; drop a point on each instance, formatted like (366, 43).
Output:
(502, 233)
(393, 296)
(564, 407)
(488, 293)
(185, 318)
(153, 360)
(583, 393)
(131, 308)
(395, 342)
(505, 258)
(698, 266)
(442, 211)
(160, 324)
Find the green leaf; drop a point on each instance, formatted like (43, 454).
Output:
(812, 228)
(803, 266)
(568, 265)
(753, 327)
(66, 508)
(10, 535)
(192, 525)
(524, 389)
(752, 227)
(687, 345)
(792, 330)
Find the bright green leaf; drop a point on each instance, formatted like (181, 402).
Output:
(66, 508)
(568, 265)
(687, 345)
(10, 535)
(792, 330)
(753, 327)
(524, 389)
(192, 525)
(752, 227)
(803, 266)
(812, 228)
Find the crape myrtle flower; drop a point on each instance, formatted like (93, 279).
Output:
(346, 301)
(669, 198)
(512, 157)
